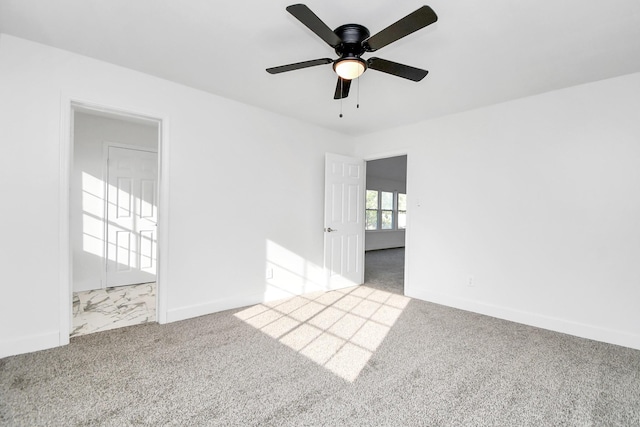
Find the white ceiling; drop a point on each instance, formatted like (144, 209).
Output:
(478, 53)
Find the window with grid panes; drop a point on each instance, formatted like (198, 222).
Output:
(385, 210)
(402, 211)
(371, 210)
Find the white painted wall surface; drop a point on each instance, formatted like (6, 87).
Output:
(221, 237)
(539, 200)
(87, 189)
(385, 184)
(388, 239)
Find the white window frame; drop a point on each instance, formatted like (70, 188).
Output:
(379, 210)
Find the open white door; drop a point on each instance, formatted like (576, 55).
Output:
(131, 216)
(344, 220)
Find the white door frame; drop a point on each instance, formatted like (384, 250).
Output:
(407, 241)
(65, 280)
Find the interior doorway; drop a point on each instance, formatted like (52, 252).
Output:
(113, 210)
(385, 223)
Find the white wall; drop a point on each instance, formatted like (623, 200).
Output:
(539, 200)
(87, 207)
(241, 182)
(387, 239)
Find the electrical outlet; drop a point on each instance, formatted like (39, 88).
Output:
(471, 282)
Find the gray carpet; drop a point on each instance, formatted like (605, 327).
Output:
(436, 366)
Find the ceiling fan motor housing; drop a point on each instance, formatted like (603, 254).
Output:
(352, 36)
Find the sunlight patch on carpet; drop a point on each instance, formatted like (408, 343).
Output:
(339, 330)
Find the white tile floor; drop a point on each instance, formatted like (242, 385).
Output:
(110, 308)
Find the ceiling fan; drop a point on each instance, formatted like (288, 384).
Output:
(351, 41)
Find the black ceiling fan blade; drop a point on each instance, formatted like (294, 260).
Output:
(407, 25)
(299, 65)
(400, 70)
(342, 88)
(315, 24)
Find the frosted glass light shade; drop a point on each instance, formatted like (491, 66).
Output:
(349, 69)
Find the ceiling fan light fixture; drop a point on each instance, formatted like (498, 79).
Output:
(349, 68)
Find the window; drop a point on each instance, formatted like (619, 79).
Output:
(402, 211)
(372, 210)
(386, 210)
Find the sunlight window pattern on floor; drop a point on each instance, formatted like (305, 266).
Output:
(339, 330)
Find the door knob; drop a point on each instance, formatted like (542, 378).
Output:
(329, 229)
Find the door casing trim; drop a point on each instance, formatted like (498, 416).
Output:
(68, 106)
(407, 240)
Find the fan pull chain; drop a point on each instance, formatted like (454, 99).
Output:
(341, 97)
(358, 104)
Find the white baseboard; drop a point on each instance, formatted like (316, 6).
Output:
(191, 311)
(29, 344)
(188, 312)
(581, 330)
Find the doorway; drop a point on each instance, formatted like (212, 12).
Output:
(113, 210)
(385, 223)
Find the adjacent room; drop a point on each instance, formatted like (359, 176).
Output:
(113, 211)
(331, 213)
(386, 222)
